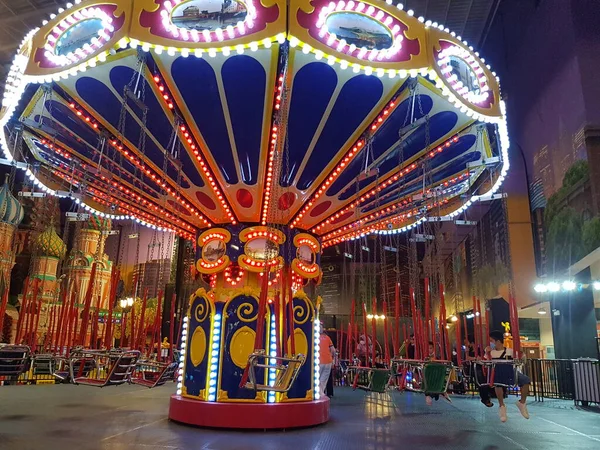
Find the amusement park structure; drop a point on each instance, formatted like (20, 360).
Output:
(263, 132)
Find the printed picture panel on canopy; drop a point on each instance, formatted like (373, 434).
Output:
(209, 15)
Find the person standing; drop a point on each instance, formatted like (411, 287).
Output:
(326, 354)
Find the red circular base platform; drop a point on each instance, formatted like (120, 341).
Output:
(260, 416)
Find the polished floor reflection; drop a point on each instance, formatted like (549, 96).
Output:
(130, 417)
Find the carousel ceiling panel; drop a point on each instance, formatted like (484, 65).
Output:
(227, 102)
(328, 117)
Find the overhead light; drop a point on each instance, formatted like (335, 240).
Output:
(453, 318)
(597, 285)
(370, 316)
(553, 286)
(542, 311)
(569, 285)
(540, 288)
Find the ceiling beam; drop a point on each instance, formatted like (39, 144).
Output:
(34, 14)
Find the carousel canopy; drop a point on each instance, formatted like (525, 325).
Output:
(339, 118)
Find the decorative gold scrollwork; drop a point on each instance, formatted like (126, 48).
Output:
(301, 312)
(202, 310)
(247, 312)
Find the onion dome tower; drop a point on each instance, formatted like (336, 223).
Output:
(48, 250)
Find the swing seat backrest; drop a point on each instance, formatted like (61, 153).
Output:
(13, 359)
(43, 364)
(435, 378)
(379, 380)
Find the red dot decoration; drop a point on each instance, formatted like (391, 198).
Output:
(320, 209)
(206, 201)
(286, 201)
(244, 198)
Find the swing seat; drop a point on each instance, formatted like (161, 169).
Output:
(13, 360)
(152, 374)
(103, 368)
(286, 371)
(435, 378)
(376, 380)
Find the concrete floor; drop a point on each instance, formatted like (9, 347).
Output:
(130, 417)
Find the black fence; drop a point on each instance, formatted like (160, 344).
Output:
(560, 379)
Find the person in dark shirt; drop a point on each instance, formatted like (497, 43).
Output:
(410, 348)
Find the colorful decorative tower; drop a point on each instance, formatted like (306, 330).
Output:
(11, 215)
(48, 250)
(89, 247)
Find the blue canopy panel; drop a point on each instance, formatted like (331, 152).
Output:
(227, 103)
(328, 111)
(451, 172)
(100, 92)
(420, 122)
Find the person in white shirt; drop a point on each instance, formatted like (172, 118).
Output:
(497, 351)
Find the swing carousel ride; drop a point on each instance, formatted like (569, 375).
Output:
(265, 131)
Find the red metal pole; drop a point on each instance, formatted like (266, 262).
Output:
(374, 332)
(3, 304)
(458, 344)
(475, 330)
(480, 324)
(86, 308)
(276, 312)
(284, 324)
(426, 282)
(140, 338)
(61, 317)
(397, 316)
(35, 324)
(108, 329)
(385, 333)
(32, 308)
(22, 311)
(172, 326)
(290, 311)
(413, 307)
(444, 330)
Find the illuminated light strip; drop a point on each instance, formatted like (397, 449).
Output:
(443, 62)
(187, 138)
(269, 235)
(269, 180)
(214, 358)
(391, 180)
(207, 265)
(307, 269)
(272, 362)
(376, 14)
(229, 276)
(184, 333)
(211, 236)
(309, 242)
(317, 362)
(70, 22)
(136, 161)
(219, 34)
(148, 219)
(254, 263)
